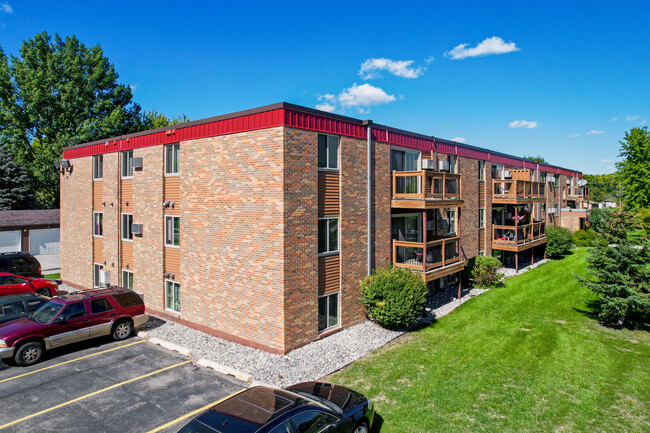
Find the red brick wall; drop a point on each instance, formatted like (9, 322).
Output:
(77, 223)
(469, 231)
(381, 205)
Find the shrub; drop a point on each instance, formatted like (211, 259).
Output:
(394, 296)
(483, 271)
(584, 238)
(643, 217)
(559, 241)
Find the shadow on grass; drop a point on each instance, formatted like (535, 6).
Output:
(634, 322)
(377, 423)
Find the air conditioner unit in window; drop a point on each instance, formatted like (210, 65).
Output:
(105, 278)
(428, 164)
(550, 179)
(137, 163)
(507, 174)
(551, 210)
(443, 165)
(137, 229)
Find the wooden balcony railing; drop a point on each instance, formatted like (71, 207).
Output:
(519, 234)
(518, 189)
(423, 258)
(577, 193)
(426, 184)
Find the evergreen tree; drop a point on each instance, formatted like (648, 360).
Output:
(14, 183)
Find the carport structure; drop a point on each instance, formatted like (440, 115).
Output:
(34, 231)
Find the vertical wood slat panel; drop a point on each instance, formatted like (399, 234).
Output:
(329, 274)
(482, 190)
(98, 196)
(329, 194)
(173, 262)
(172, 189)
(126, 191)
(98, 250)
(126, 249)
(481, 239)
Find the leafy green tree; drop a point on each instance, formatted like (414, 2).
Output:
(622, 279)
(14, 183)
(616, 225)
(394, 296)
(634, 169)
(59, 93)
(152, 119)
(537, 158)
(559, 241)
(602, 186)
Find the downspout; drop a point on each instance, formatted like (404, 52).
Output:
(368, 124)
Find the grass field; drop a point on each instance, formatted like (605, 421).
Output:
(526, 357)
(52, 276)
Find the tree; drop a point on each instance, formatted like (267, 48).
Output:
(59, 93)
(602, 186)
(152, 119)
(559, 241)
(14, 183)
(634, 169)
(537, 158)
(484, 271)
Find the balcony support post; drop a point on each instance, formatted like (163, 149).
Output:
(516, 261)
(458, 276)
(424, 241)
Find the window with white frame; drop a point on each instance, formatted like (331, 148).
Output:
(328, 235)
(98, 167)
(481, 218)
(127, 221)
(98, 224)
(97, 270)
(328, 311)
(481, 170)
(127, 279)
(172, 231)
(173, 296)
(127, 163)
(328, 152)
(452, 163)
(172, 159)
(452, 220)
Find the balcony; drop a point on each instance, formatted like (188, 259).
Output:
(517, 191)
(435, 259)
(425, 189)
(518, 237)
(577, 193)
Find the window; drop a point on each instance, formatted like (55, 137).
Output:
(172, 155)
(452, 163)
(481, 218)
(98, 167)
(481, 170)
(542, 177)
(173, 296)
(328, 152)
(73, 311)
(452, 220)
(128, 299)
(172, 231)
(127, 163)
(404, 160)
(328, 235)
(98, 223)
(328, 311)
(96, 273)
(100, 305)
(312, 422)
(127, 221)
(127, 279)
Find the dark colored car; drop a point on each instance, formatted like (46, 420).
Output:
(19, 263)
(21, 304)
(11, 284)
(310, 407)
(71, 318)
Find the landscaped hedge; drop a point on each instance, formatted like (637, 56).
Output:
(584, 238)
(483, 271)
(394, 296)
(559, 241)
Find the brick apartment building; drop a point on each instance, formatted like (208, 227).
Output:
(257, 226)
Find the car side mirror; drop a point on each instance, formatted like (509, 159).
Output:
(59, 320)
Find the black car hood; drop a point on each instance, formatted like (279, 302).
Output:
(343, 397)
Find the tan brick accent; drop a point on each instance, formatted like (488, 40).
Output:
(111, 205)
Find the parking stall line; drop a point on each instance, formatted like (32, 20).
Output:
(71, 360)
(117, 385)
(194, 412)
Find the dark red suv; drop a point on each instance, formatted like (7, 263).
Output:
(69, 319)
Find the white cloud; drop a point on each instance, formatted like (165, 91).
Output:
(7, 8)
(643, 122)
(523, 124)
(574, 135)
(614, 119)
(429, 59)
(400, 68)
(328, 97)
(326, 106)
(493, 45)
(133, 87)
(594, 132)
(459, 139)
(364, 95)
(637, 117)
(607, 160)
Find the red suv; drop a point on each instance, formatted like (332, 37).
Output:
(11, 284)
(69, 319)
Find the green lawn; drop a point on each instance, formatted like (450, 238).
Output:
(526, 357)
(53, 276)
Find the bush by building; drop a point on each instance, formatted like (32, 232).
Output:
(484, 271)
(394, 296)
(559, 241)
(584, 238)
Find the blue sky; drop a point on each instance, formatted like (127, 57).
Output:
(560, 79)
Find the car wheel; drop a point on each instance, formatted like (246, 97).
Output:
(28, 353)
(45, 292)
(122, 330)
(362, 427)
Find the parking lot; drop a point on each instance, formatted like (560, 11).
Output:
(106, 386)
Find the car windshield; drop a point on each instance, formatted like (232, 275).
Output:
(328, 404)
(46, 313)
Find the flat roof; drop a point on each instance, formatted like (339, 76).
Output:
(29, 218)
